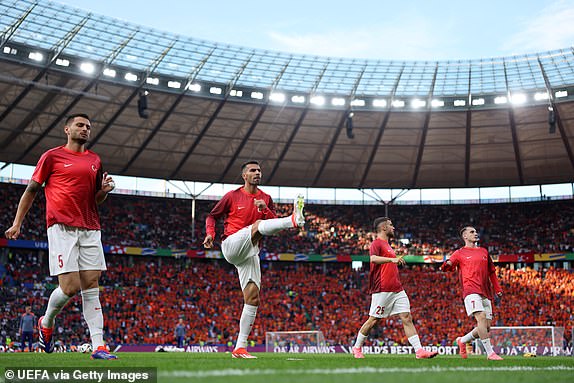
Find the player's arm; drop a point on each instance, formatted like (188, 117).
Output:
(380, 260)
(23, 207)
(106, 186)
(268, 210)
(493, 278)
(218, 211)
(449, 264)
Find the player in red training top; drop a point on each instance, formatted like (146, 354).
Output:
(388, 296)
(75, 185)
(478, 277)
(248, 214)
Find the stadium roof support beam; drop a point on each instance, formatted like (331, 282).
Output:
(467, 149)
(9, 32)
(57, 49)
(212, 119)
(468, 135)
(136, 91)
(192, 76)
(298, 124)
(557, 114)
(512, 122)
(381, 130)
(425, 130)
(288, 144)
(35, 112)
(253, 125)
(339, 126)
(243, 142)
(111, 57)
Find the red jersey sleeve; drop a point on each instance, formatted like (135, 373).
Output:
(270, 211)
(219, 210)
(492, 276)
(453, 261)
(43, 168)
(375, 249)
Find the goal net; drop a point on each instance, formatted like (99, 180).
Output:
(295, 341)
(518, 340)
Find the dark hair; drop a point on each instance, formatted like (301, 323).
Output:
(248, 163)
(378, 221)
(463, 229)
(71, 117)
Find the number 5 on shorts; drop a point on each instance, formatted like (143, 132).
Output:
(60, 261)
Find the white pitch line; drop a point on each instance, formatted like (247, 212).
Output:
(358, 370)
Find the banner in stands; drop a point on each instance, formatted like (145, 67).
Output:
(291, 257)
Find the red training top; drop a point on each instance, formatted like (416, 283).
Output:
(383, 277)
(239, 210)
(476, 271)
(72, 180)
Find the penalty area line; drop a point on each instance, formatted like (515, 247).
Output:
(351, 370)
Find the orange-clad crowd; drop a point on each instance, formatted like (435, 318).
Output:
(143, 297)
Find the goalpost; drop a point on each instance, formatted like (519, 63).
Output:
(518, 340)
(295, 341)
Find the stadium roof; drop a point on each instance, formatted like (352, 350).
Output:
(212, 106)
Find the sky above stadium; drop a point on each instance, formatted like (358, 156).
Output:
(377, 29)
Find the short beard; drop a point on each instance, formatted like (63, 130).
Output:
(80, 141)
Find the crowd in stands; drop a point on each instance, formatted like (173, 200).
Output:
(539, 227)
(143, 298)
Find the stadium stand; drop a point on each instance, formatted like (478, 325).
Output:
(165, 223)
(143, 297)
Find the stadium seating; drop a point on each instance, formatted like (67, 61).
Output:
(143, 297)
(542, 227)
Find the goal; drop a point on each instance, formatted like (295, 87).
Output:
(295, 341)
(518, 340)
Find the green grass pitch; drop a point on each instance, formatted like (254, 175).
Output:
(271, 368)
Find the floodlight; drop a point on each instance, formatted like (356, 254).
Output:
(477, 101)
(88, 68)
(62, 62)
(131, 77)
(152, 80)
(277, 97)
(110, 72)
(338, 101)
(298, 99)
(519, 98)
(418, 103)
(36, 56)
(358, 102)
(318, 100)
